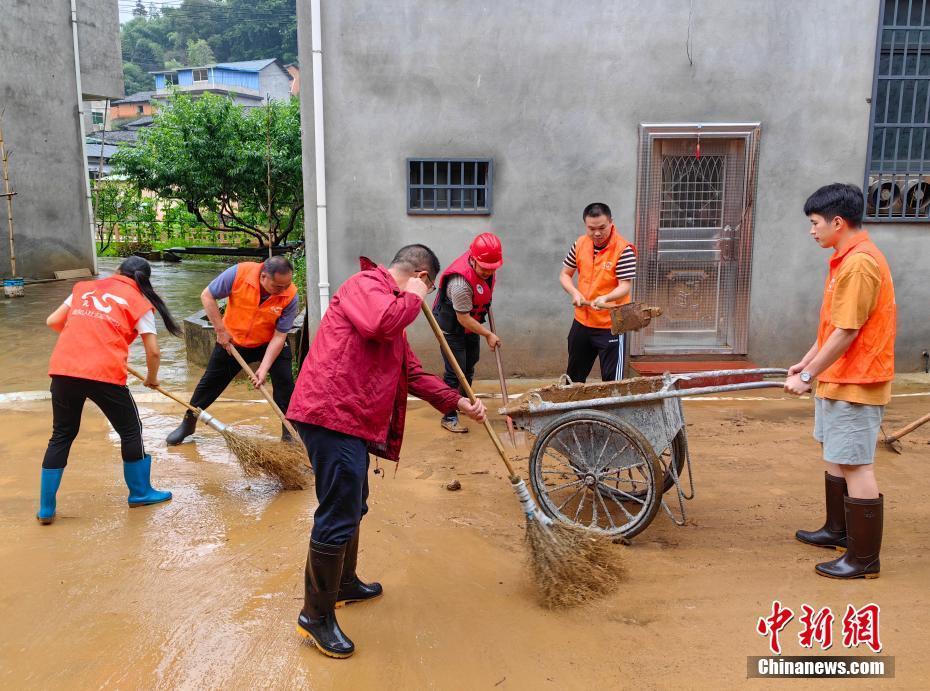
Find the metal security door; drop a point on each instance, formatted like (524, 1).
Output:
(694, 235)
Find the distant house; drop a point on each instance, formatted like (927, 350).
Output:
(132, 107)
(246, 82)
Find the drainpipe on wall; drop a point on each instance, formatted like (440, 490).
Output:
(80, 115)
(316, 46)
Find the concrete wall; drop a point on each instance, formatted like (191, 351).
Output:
(275, 80)
(40, 125)
(555, 92)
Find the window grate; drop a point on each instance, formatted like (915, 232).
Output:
(692, 192)
(897, 181)
(460, 186)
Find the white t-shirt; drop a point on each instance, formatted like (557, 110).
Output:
(145, 325)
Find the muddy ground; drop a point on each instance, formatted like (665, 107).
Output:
(204, 591)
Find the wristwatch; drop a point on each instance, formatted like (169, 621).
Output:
(805, 377)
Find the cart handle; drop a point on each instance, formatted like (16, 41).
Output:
(537, 405)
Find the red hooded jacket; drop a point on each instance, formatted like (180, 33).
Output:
(360, 367)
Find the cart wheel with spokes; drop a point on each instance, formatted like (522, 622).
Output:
(596, 470)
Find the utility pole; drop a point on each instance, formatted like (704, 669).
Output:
(268, 166)
(9, 198)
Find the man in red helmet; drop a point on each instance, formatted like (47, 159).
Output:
(461, 307)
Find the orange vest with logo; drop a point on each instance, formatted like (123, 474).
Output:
(249, 322)
(870, 358)
(596, 276)
(94, 343)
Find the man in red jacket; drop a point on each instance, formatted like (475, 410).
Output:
(350, 400)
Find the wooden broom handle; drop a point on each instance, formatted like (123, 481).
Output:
(261, 387)
(463, 382)
(907, 429)
(138, 375)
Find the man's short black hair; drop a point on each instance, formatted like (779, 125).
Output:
(596, 209)
(277, 265)
(835, 200)
(417, 258)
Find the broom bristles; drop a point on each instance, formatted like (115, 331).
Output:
(570, 564)
(286, 462)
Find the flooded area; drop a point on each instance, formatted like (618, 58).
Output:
(27, 342)
(204, 591)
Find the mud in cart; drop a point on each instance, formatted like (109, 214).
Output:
(605, 454)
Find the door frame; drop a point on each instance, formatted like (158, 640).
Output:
(649, 135)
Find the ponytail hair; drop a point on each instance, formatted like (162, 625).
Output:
(139, 270)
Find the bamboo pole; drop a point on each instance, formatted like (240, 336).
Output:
(9, 199)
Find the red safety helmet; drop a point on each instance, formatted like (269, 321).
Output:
(487, 251)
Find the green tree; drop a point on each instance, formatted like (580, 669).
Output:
(139, 10)
(135, 79)
(114, 203)
(148, 55)
(199, 53)
(211, 155)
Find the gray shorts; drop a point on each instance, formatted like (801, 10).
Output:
(848, 431)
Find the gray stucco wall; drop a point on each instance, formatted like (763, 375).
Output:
(274, 80)
(40, 126)
(555, 92)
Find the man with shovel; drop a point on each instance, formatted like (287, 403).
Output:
(606, 266)
(853, 361)
(351, 400)
(461, 308)
(261, 310)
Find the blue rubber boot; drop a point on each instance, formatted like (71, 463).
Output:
(51, 479)
(138, 474)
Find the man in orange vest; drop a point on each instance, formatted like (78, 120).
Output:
(261, 310)
(606, 265)
(853, 362)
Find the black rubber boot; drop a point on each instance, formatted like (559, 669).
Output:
(317, 620)
(833, 532)
(351, 588)
(864, 519)
(183, 431)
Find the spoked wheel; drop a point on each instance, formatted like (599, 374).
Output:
(676, 454)
(594, 469)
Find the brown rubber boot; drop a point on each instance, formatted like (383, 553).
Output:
(833, 532)
(351, 587)
(864, 519)
(317, 620)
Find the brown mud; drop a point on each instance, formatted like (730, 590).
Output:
(203, 592)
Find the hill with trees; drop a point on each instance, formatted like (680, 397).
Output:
(198, 32)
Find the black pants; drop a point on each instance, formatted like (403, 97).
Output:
(585, 343)
(223, 368)
(68, 396)
(466, 348)
(340, 468)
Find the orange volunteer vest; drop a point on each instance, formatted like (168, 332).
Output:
(870, 358)
(249, 323)
(101, 324)
(596, 276)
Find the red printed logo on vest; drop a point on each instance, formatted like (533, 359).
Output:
(480, 289)
(607, 266)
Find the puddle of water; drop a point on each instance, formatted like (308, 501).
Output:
(27, 342)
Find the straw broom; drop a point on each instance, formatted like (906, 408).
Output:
(570, 564)
(284, 462)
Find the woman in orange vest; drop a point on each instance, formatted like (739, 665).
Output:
(853, 362)
(261, 311)
(96, 324)
(606, 265)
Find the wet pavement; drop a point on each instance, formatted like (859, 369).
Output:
(203, 591)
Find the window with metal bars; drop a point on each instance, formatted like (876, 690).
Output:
(897, 181)
(449, 186)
